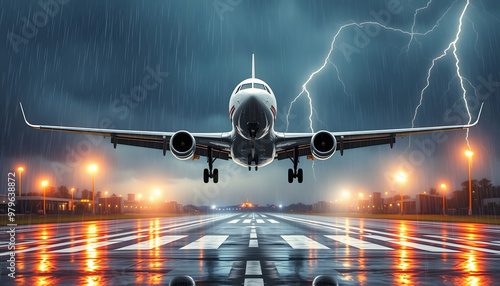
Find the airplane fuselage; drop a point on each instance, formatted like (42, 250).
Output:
(252, 109)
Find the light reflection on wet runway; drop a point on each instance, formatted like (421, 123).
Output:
(290, 250)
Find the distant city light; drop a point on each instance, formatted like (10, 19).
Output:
(281, 206)
(345, 194)
(213, 207)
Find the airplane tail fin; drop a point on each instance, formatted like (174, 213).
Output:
(253, 67)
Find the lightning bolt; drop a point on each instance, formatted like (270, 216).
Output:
(451, 47)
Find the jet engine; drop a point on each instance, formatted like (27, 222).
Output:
(182, 145)
(323, 145)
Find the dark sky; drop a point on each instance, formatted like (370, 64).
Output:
(79, 66)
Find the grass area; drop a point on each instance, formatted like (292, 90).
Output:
(486, 219)
(36, 219)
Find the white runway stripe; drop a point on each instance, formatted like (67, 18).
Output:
(260, 221)
(153, 243)
(254, 282)
(207, 242)
(244, 215)
(253, 235)
(358, 243)
(412, 244)
(263, 215)
(95, 245)
(253, 243)
(465, 240)
(302, 242)
(253, 268)
(234, 221)
(273, 221)
(247, 221)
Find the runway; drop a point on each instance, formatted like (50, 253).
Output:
(254, 249)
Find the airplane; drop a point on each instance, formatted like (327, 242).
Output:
(252, 142)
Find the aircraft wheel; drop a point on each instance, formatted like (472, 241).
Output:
(205, 176)
(300, 176)
(290, 176)
(216, 176)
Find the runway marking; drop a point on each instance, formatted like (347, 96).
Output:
(253, 235)
(263, 215)
(207, 242)
(253, 268)
(254, 282)
(273, 221)
(401, 236)
(247, 221)
(153, 243)
(234, 221)
(253, 243)
(95, 245)
(260, 221)
(461, 239)
(412, 244)
(302, 242)
(253, 226)
(253, 229)
(243, 215)
(358, 243)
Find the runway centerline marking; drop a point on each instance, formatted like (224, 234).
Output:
(153, 243)
(302, 242)
(253, 268)
(95, 245)
(207, 242)
(254, 282)
(357, 243)
(253, 243)
(253, 235)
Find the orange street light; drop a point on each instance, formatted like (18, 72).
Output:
(44, 184)
(20, 169)
(361, 195)
(469, 154)
(401, 177)
(443, 186)
(93, 170)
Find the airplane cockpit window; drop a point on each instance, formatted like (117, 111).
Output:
(246, 85)
(259, 86)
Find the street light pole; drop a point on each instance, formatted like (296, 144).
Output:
(443, 186)
(93, 169)
(105, 201)
(72, 202)
(44, 184)
(469, 154)
(20, 169)
(401, 177)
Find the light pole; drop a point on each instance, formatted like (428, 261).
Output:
(443, 187)
(44, 184)
(469, 154)
(72, 202)
(92, 170)
(105, 201)
(20, 169)
(401, 177)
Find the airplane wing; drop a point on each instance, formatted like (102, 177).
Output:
(218, 143)
(287, 143)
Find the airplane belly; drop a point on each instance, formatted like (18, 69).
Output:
(264, 151)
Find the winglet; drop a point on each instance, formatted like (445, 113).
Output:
(25, 120)
(253, 67)
(478, 116)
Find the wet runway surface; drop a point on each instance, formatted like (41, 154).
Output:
(254, 249)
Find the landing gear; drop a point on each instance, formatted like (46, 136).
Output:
(210, 172)
(299, 174)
